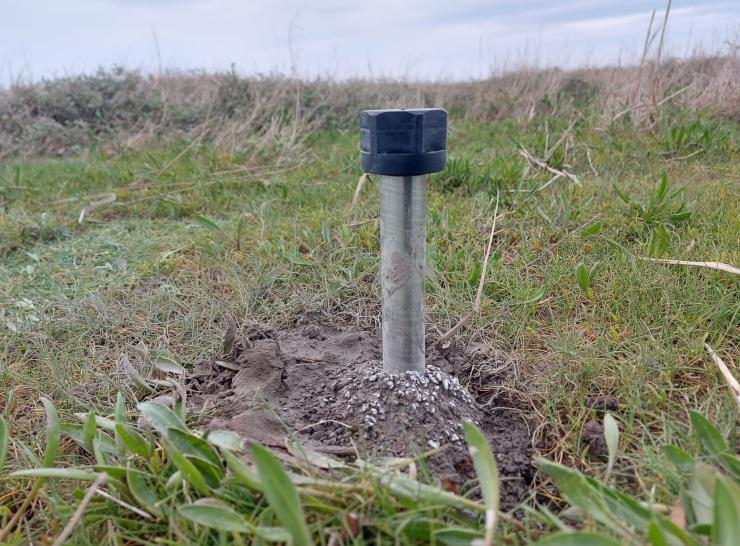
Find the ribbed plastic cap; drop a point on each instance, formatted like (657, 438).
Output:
(403, 142)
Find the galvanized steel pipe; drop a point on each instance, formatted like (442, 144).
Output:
(402, 258)
(403, 146)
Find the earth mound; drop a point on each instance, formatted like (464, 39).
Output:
(326, 385)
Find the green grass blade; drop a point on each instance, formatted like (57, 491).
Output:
(161, 417)
(89, 429)
(418, 492)
(77, 433)
(189, 471)
(282, 495)
(582, 276)
(4, 441)
(241, 471)
(709, 437)
(226, 440)
(578, 539)
(207, 223)
(485, 468)
(726, 521)
(191, 444)
(53, 431)
(214, 514)
(48, 472)
(166, 363)
(656, 535)
(591, 230)
(141, 490)
(681, 460)
(134, 441)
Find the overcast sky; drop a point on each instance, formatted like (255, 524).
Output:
(417, 38)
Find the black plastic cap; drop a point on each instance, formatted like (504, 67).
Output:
(403, 142)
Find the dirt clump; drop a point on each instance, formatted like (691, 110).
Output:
(326, 385)
(593, 435)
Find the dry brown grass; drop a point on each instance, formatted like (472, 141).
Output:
(119, 109)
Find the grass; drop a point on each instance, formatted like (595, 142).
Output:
(195, 237)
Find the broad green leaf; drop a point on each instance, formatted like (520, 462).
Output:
(474, 276)
(166, 363)
(533, 297)
(273, 534)
(4, 441)
(295, 258)
(611, 435)
(214, 514)
(160, 417)
(622, 195)
(591, 230)
(661, 188)
(99, 451)
(702, 529)
(485, 467)
(89, 429)
(120, 408)
(421, 493)
(206, 223)
(49, 472)
(731, 464)
(325, 233)
(578, 539)
(281, 494)
(458, 536)
(634, 514)
(656, 535)
(701, 492)
(682, 460)
(77, 433)
(212, 474)
(134, 441)
(28, 453)
(241, 471)
(173, 481)
(141, 489)
(226, 440)
(680, 217)
(125, 364)
(188, 470)
(191, 444)
(660, 240)
(579, 491)
(52, 431)
(240, 227)
(421, 530)
(117, 472)
(120, 415)
(582, 276)
(709, 437)
(726, 521)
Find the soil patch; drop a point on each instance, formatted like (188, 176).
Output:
(326, 385)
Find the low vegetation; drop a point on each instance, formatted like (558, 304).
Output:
(133, 233)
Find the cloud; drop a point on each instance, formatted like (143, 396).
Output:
(419, 38)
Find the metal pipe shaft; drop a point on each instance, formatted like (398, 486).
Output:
(402, 259)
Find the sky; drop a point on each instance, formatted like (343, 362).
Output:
(419, 39)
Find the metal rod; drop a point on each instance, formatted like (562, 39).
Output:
(402, 258)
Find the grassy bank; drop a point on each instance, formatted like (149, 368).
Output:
(184, 234)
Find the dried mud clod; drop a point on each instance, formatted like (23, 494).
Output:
(326, 386)
(593, 435)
